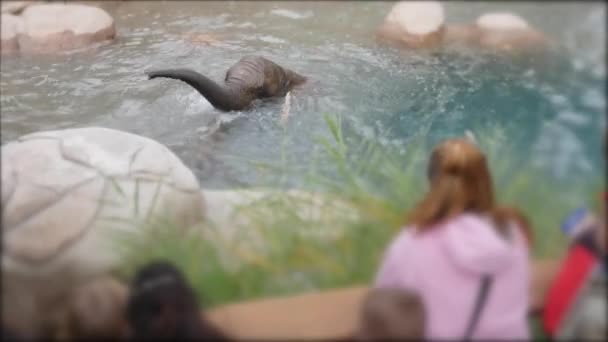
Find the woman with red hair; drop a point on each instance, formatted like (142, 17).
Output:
(466, 257)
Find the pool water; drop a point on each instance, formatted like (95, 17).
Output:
(549, 104)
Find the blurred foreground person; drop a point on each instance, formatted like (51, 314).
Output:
(93, 310)
(163, 306)
(391, 314)
(575, 306)
(466, 257)
(10, 334)
(96, 310)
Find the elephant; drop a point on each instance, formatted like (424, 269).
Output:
(252, 77)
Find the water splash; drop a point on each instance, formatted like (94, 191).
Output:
(292, 14)
(286, 109)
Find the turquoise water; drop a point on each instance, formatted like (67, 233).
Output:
(550, 105)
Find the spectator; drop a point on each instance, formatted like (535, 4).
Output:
(391, 314)
(575, 306)
(466, 257)
(163, 305)
(9, 334)
(96, 310)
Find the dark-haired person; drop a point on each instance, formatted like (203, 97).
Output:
(391, 314)
(162, 305)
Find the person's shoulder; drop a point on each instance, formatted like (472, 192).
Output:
(403, 238)
(406, 234)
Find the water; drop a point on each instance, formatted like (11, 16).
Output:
(551, 105)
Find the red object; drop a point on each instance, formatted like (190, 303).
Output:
(575, 270)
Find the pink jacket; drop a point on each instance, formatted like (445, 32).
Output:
(444, 266)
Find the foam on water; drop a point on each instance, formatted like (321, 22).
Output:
(291, 14)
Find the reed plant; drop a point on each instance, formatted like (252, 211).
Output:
(283, 243)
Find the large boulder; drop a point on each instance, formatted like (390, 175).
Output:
(15, 7)
(57, 27)
(251, 218)
(508, 31)
(414, 24)
(12, 26)
(462, 34)
(65, 195)
(231, 212)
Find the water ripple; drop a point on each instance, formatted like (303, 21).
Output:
(553, 102)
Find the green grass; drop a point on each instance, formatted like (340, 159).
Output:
(278, 250)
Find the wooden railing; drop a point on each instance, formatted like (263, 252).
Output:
(331, 314)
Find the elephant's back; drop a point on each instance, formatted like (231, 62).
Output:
(248, 73)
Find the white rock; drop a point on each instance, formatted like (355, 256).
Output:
(15, 7)
(56, 27)
(64, 193)
(502, 21)
(247, 218)
(462, 34)
(11, 27)
(417, 17)
(508, 31)
(414, 23)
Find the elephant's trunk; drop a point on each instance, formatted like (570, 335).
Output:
(220, 97)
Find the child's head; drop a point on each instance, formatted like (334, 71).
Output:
(163, 305)
(391, 313)
(96, 309)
